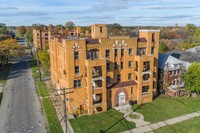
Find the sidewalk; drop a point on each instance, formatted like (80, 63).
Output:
(57, 103)
(154, 126)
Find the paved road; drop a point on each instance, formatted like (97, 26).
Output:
(20, 111)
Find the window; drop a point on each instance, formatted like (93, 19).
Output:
(130, 76)
(76, 55)
(77, 70)
(153, 37)
(122, 52)
(146, 66)
(116, 65)
(77, 83)
(146, 77)
(145, 89)
(101, 30)
(115, 52)
(107, 53)
(136, 66)
(130, 64)
(118, 77)
(130, 51)
(107, 80)
(122, 65)
(152, 50)
(141, 51)
(108, 66)
(93, 54)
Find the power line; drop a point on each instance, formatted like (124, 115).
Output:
(65, 105)
(51, 129)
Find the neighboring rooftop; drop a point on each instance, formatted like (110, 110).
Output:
(170, 60)
(185, 56)
(194, 50)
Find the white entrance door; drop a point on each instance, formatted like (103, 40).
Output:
(121, 98)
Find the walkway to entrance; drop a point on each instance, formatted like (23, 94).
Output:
(144, 126)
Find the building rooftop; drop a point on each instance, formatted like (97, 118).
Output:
(170, 60)
(195, 49)
(149, 30)
(185, 56)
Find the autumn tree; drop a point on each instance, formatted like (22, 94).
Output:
(192, 78)
(70, 25)
(21, 30)
(10, 49)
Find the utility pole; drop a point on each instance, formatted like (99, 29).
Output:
(65, 105)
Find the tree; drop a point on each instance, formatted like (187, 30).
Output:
(163, 47)
(60, 27)
(9, 49)
(116, 26)
(44, 58)
(38, 26)
(190, 28)
(29, 36)
(191, 78)
(21, 30)
(69, 25)
(3, 28)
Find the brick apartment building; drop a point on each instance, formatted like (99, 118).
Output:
(103, 71)
(41, 36)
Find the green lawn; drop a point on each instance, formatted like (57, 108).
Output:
(4, 73)
(1, 96)
(35, 70)
(164, 108)
(53, 122)
(42, 89)
(188, 126)
(110, 122)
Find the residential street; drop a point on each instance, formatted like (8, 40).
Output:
(20, 111)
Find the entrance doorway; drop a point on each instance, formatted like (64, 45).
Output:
(121, 98)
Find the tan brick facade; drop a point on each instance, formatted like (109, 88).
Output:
(40, 39)
(105, 71)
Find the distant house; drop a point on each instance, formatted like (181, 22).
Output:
(185, 55)
(194, 50)
(170, 71)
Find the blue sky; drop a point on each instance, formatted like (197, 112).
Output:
(87, 12)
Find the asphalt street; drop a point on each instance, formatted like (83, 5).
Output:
(20, 111)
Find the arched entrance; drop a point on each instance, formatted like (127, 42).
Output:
(121, 98)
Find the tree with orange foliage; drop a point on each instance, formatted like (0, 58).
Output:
(10, 49)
